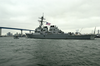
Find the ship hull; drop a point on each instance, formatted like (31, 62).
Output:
(60, 36)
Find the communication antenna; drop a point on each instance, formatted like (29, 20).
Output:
(81, 29)
(43, 14)
(94, 30)
(98, 31)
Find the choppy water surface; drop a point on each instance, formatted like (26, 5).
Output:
(49, 52)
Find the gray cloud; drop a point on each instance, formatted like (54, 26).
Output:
(68, 15)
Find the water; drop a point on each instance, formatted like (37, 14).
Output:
(49, 52)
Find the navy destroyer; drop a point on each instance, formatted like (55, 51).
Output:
(53, 32)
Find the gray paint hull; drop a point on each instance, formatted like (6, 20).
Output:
(60, 36)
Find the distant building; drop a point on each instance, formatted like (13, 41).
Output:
(98, 32)
(16, 34)
(9, 34)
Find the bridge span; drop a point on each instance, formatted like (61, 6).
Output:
(14, 29)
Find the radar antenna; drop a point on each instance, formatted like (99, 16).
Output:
(41, 21)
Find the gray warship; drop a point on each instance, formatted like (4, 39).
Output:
(53, 32)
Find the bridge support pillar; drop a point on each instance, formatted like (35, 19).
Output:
(0, 31)
(30, 31)
(21, 33)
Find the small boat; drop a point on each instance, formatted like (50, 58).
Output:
(42, 32)
(97, 36)
(16, 37)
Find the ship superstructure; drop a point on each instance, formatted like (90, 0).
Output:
(53, 32)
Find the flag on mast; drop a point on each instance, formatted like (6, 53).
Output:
(47, 23)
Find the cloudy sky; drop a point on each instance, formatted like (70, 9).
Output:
(67, 15)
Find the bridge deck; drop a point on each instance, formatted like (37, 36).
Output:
(16, 28)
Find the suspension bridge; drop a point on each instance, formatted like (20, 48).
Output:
(14, 29)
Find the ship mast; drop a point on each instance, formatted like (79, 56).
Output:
(41, 21)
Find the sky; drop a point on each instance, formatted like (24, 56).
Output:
(67, 15)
